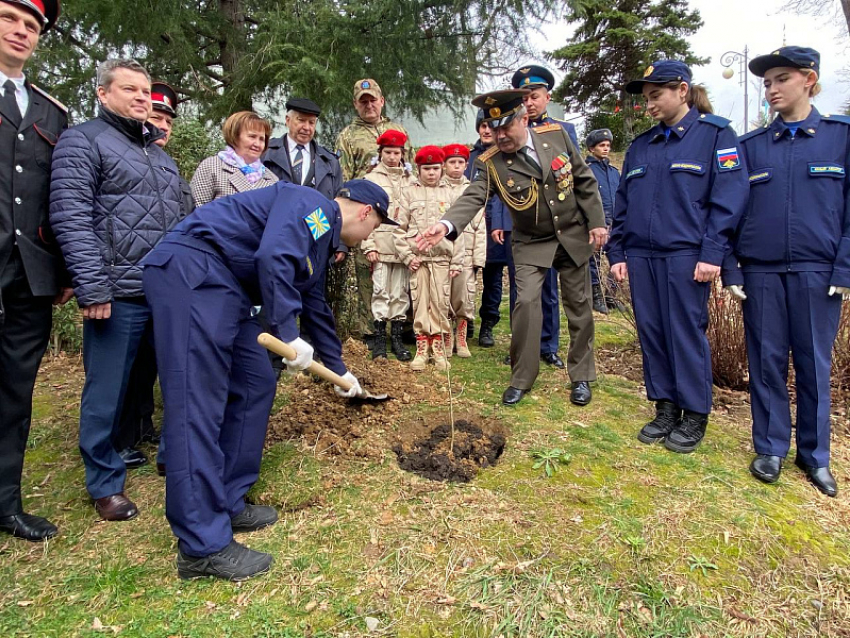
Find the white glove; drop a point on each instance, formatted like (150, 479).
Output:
(355, 387)
(737, 292)
(840, 290)
(304, 358)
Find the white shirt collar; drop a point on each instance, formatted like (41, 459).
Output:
(19, 82)
(291, 144)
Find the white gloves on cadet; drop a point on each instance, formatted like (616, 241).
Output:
(840, 290)
(304, 358)
(355, 387)
(737, 292)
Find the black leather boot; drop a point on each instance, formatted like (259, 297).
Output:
(470, 330)
(485, 334)
(399, 350)
(689, 434)
(379, 348)
(667, 415)
(599, 300)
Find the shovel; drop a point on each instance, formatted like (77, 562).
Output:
(286, 351)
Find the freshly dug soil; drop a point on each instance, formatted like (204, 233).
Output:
(431, 457)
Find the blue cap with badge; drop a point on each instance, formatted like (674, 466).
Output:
(794, 57)
(366, 192)
(661, 72)
(533, 76)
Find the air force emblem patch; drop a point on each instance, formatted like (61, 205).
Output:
(318, 223)
(728, 159)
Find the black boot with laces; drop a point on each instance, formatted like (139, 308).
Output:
(687, 437)
(667, 415)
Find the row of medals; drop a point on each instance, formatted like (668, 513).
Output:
(563, 171)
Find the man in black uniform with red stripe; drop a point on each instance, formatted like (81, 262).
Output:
(32, 272)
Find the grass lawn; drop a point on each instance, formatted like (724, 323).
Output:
(623, 540)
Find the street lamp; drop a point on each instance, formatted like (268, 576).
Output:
(728, 59)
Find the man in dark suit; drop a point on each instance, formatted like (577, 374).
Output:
(297, 158)
(558, 222)
(32, 273)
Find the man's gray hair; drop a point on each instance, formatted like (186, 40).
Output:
(106, 70)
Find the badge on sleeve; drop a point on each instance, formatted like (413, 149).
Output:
(318, 223)
(728, 159)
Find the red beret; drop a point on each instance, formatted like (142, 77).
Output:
(456, 150)
(392, 137)
(430, 155)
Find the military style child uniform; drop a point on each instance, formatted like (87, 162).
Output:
(420, 207)
(682, 194)
(792, 245)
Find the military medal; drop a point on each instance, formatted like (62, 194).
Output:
(562, 196)
(510, 182)
(563, 173)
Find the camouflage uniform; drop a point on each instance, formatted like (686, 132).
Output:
(475, 238)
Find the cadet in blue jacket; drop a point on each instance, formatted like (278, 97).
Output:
(598, 143)
(791, 264)
(268, 247)
(682, 194)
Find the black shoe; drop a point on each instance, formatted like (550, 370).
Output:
(599, 300)
(820, 477)
(689, 434)
(512, 395)
(667, 417)
(160, 469)
(766, 468)
(235, 562)
(552, 359)
(614, 304)
(580, 394)
(29, 527)
(132, 458)
(396, 343)
(485, 334)
(253, 517)
(507, 360)
(379, 347)
(470, 329)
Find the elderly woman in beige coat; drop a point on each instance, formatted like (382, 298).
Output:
(237, 168)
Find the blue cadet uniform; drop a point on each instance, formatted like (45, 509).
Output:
(268, 247)
(609, 180)
(682, 194)
(790, 247)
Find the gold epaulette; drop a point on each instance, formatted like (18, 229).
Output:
(547, 128)
(490, 152)
(56, 102)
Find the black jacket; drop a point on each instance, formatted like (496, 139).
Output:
(325, 174)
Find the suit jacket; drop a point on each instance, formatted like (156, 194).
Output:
(213, 179)
(26, 152)
(559, 217)
(324, 174)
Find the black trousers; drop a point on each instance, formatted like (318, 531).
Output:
(25, 323)
(136, 422)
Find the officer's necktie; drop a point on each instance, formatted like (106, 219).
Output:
(531, 161)
(10, 103)
(298, 165)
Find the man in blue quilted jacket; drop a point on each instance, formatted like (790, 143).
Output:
(114, 194)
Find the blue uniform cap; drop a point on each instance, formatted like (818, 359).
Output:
(794, 57)
(597, 136)
(661, 72)
(533, 76)
(366, 192)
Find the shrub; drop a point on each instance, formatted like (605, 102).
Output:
(726, 337)
(67, 332)
(191, 143)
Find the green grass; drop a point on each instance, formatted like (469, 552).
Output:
(624, 540)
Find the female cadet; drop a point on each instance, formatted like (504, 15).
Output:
(791, 263)
(680, 199)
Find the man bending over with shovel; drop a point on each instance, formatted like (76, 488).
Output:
(268, 247)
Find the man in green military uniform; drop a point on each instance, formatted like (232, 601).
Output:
(558, 223)
(357, 146)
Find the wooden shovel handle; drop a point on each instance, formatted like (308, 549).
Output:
(286, 351)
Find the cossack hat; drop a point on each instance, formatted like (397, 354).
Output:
(47, 11)
(164, 98)
(532, 77)
(661, 72)
(367, 86)
(430, 155)
(598, 136)
(392, 138)
(303, 105)
(456, 150)
(795, 57)
(500, 107)
(366, 192)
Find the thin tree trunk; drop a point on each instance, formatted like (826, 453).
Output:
(232, 49)
(845, 6)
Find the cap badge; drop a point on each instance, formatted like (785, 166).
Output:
(489, 101)
(495, 111)
(775, 52)
(649, 71)
(365, 85)
(525, 70)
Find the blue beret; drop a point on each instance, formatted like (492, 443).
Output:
(794, 57)
(661, 72)
(366, 192)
